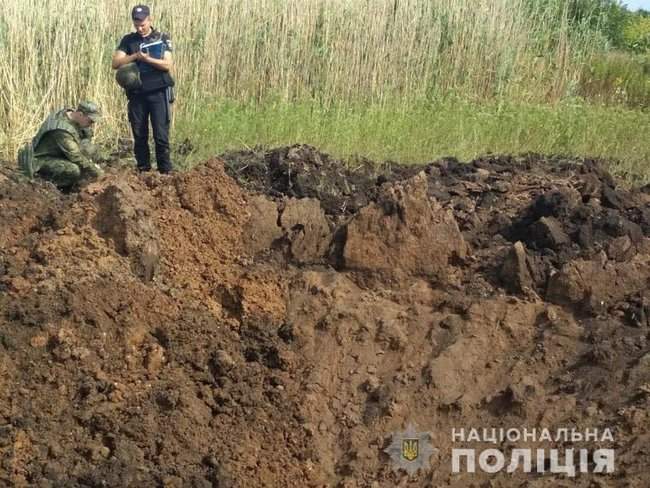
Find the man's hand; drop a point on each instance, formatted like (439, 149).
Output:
(92, 171)
(163, 64)
(143, 56)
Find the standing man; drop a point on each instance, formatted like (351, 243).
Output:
(150, 97)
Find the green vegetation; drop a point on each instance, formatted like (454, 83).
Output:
(422, 133)
(617, 78)
(637, 34)
(401, 79)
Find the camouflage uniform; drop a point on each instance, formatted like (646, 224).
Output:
(60, 152)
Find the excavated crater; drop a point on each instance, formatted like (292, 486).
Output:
(271, 318)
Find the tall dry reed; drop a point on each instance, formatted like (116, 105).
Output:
(54, 52)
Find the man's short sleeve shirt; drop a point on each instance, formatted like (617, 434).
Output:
(130, 43)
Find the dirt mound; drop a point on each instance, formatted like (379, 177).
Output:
(270, 319)
(301, 171)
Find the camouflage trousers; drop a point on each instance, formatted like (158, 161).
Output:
(63, 173)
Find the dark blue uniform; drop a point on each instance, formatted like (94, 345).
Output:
(151, 102)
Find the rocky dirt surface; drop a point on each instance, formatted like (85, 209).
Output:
(271, 318)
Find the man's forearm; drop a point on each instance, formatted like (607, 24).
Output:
(85, 163)
(122, 60)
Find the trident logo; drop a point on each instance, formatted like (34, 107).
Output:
(410, 449)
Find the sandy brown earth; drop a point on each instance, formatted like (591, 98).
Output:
(272, 318)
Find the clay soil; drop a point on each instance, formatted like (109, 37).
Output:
(271, 318)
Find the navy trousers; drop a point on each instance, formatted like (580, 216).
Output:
(143, 108)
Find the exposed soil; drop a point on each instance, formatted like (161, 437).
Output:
(271, 318)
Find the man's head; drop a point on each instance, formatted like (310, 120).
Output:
(87, 113)
(141, 19)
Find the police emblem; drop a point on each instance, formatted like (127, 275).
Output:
(410, 450)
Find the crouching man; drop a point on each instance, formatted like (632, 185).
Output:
(60, 151)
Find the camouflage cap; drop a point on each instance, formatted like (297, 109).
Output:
(91, 109)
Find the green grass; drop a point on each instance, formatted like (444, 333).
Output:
(617, 78)
(424, 132)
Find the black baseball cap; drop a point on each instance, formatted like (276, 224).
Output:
(140, 12)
